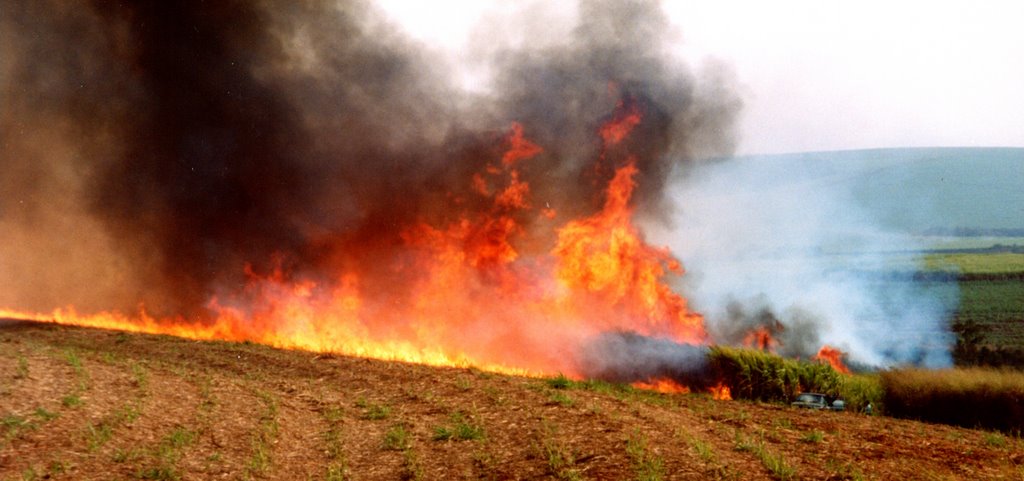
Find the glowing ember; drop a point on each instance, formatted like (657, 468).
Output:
(662, 385)
(834, 357)
(721, 392)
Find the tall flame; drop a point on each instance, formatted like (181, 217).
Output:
(473, 297)
(465, 291)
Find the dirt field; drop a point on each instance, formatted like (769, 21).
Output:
(90, 404)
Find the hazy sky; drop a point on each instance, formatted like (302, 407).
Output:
(814, 75)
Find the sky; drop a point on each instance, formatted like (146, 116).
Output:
(813, 75)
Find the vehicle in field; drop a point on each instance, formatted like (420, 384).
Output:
(810, 400)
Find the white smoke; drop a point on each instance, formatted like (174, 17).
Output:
(786, 235)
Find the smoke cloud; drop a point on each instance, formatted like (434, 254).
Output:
(781, 243)
(627, 357)
(153, 150)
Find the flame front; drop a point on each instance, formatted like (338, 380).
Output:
(465, 293)
(663, 385)
(472, 297)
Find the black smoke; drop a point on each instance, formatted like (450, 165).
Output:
(157, 148)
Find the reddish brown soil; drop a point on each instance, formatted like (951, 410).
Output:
(89, 404)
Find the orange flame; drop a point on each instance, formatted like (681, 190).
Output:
(519, 147)
(663, 385)
(832, 356)
(721, 392)
(622, 123)
(604, 256)
(760, 338)
(470, 296)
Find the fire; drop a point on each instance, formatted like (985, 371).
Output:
(662, 385)
(466, 292)
(605, 257)
(625, 118)
(760, 338)
(834, 357)
(721, 392)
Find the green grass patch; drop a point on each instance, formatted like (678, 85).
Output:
(74, 361)
(21, 370)
(774, 463)
(11, 426)
(97, 434)
(140, 376)
(397, 438)
(646, 466)
(459, 428)
(333, 438)
(412, 469)
(264, 435)
(560, 458)
(71, 401)
(44, 415)
(562, 399)
(560, 382)
(166, 455)
(813, 437)
(995, 440)
(703, 449)
(374, 411)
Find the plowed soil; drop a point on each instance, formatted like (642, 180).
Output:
(90, 404)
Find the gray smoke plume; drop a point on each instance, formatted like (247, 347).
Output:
(152, 150)
(782, 243)
(627, 357)
(797, 337)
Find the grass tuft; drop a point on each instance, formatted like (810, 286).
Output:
(459, 428)
(560, 382)
(374, 411)
(71, 401)
(995, 440)
(411, 467)
(264, 435)
(814, 436)
(648, 467)
(21, 371)
(396, 438)
(562, 399)
(561, 459)
(774, 463)
(45, 415)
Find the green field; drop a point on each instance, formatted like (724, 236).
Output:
(989, 318)
(976, 263)
(997, 307)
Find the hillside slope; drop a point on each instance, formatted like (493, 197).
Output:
(91, 404)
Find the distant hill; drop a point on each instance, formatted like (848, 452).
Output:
(930, 191)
